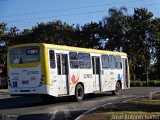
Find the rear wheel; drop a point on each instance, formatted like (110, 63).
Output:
(117, 90)
(79, 92)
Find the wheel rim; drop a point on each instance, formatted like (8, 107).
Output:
(118, 87)
(79, 93)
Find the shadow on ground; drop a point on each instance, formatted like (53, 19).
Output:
(31, 101)
(61, 115)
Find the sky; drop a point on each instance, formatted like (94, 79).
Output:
(25, 14)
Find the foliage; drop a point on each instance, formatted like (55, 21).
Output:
(8, 37)
(158, 50)
(52, 32)
(151, 83)
(91, 35)
(115, 28)
(136, 34)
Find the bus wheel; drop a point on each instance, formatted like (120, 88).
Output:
(47, 98)
(79, 93)
(117, 90)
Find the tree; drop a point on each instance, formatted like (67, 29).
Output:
(91, 34)
(7, 36)
(135, 34)
(52, 32)
(3, 50)
(140, 42)
(115, 28)
(158, 48)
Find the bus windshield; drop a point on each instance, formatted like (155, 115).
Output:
(23, 55)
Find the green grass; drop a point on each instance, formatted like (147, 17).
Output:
(139, 109)
(142, 106)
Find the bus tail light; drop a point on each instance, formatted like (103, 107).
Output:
(42, 79)
(9, 82)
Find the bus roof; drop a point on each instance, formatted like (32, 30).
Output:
(70, 48)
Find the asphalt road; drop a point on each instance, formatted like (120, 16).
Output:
(31, 108)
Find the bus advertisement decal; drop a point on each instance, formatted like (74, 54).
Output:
(74, 79)
(87, 75)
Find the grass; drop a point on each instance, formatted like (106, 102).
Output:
(139, 109)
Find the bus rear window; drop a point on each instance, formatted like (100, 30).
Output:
(24, 55)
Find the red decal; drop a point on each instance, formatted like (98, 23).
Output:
(25, 82)
(74, 80)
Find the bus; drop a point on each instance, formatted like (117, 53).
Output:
(59, 70)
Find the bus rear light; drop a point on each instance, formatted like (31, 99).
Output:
(9, 82)
(42, 79)
(8, 79)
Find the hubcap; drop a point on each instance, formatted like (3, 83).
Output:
(117, 87)
(79, 93)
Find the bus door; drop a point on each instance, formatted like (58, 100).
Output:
(125, 73)
(62, 73)
(96, 73)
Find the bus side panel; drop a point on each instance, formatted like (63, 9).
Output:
(83, 76)
(126, 75)
(105, 80)
(53, 82)
(45, 67)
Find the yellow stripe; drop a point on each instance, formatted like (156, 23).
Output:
(86, 50)
(45, 65)
(26, 65)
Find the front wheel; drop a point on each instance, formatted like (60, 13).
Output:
(117, 90)
(79, 92)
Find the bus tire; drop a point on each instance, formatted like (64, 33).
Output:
(79, 92)
(117, 90)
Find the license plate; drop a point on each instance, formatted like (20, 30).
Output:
(25, 82)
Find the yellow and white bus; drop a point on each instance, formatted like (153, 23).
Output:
(57, 70)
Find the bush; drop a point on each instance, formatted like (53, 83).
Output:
(132, 84)
(158, 84)
(152, 83)
(138, 84)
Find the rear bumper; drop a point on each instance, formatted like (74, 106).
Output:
(44, 89)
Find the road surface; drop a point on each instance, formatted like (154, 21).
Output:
(31, 108)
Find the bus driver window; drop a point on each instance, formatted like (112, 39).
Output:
(17, 60)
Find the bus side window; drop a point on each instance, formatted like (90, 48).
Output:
(64, 64)
(59, 64)
(52, 59)
(112, 62)
(118, 62)
(105, 61)
(84, 60)
(73, 60)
